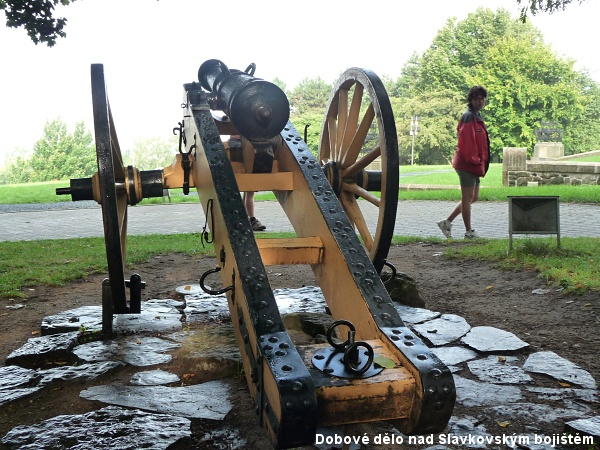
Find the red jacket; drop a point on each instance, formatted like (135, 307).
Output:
(473, 152)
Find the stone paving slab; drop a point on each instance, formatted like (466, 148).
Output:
(414, 218)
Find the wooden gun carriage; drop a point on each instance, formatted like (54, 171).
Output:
(295, 389)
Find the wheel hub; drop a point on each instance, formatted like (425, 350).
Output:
(333, 173)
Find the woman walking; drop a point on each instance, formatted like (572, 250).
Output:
(471, 160)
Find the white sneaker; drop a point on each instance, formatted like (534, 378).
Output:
(446, 227)
(471, 235)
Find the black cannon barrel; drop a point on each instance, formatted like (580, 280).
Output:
(258, 109)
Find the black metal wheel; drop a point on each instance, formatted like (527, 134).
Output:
(112, 179)
(359, 131)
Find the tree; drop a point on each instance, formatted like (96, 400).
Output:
(36, 16)
(460, 46)
(438, 113)
(527, 85)
(16, 170)
(549, 6)
(152, 153)
(583, 133)
(406, 83)
(59, 155)
(314, 120)
(310, 95)
(279, 83)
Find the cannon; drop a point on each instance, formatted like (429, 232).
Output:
(295, 388)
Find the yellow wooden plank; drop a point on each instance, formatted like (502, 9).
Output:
(278, 181)
(308, 250)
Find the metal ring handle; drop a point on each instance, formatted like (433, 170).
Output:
(250, 69)
(332, 327)
(347, 360)
(394, 271)
(212, 291)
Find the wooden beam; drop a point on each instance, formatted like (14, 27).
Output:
(308, 250)
(279, 181)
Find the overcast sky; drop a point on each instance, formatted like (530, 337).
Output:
(151, 48)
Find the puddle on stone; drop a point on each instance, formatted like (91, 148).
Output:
(213, 308)
(134, 350)
(153, 378)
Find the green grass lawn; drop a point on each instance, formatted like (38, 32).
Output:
(56, 262)
(446, 175)
(594, 158)
(573, 267)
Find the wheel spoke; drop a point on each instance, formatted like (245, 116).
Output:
(122, 213)
(359, 137)
(354, 113)
(362, 163)
(115, 149)
(332, 134)
(357, 190)
(342, 118)
(325, 149)
(357, 218)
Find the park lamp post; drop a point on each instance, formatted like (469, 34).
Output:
(414, 130)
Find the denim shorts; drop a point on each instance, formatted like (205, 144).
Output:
(467, 179)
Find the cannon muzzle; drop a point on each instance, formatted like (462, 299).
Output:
(258, 109)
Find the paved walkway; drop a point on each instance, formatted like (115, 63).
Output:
(415, 218)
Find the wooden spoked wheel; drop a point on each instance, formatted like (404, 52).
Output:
(112, 179)
(359, 131)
